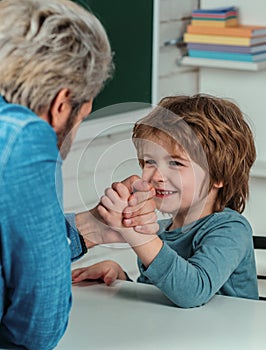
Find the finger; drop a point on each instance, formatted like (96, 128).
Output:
(106, 202)
(140, 197)
(75, 273)
(141, 185)
(103, 213)
(111, 194)
(110, 276)
(150, 218)
(121, 189)
(150, 229)
(88, 273)
(140, 209)
(107, 215)
(128, 182)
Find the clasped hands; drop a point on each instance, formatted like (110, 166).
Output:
(126, 213)
(128, 204)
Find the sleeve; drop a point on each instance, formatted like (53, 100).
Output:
(77, 244)
(194, 281)
(35, 251)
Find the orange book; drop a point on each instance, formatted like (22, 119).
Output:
(247, 31)
(232, 22)
(223, 39)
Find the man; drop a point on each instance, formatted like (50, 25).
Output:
(54, 59)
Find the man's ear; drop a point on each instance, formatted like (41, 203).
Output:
(60, 109)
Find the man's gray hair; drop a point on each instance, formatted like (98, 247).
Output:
(49, 45)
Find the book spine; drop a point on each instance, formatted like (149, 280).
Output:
(211, 23)
(211, 39)
(219, 31)
(215, 15)
(221, 55)
(224, 48)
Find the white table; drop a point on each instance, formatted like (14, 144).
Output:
(129, 315)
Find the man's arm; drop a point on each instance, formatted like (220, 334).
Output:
(35, 254)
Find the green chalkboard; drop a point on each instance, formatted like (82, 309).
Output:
(129, 25)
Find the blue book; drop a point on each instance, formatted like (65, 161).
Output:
(218, 10)
(231, 56)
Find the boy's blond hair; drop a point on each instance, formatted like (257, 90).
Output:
(214, 133)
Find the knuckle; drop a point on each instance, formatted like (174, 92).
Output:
(108, 191)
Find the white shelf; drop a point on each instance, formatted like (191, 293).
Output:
(223, 64)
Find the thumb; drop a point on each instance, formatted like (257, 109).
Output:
(129, 182)
(140, 185)
(110, 276)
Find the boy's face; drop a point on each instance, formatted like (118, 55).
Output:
(181, 185)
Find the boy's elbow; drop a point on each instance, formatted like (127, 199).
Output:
(187, 304)
(190, 300)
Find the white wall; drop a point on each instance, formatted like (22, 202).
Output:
(248, 89)
(172, 77)
(103, 153)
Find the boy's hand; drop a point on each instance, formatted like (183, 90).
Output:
(140, 212)
(108, 271)
(112, 205)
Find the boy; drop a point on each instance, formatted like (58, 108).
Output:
(197, 153)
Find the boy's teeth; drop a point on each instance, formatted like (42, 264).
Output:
(164, 192)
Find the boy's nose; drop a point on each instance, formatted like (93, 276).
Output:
(158, 176)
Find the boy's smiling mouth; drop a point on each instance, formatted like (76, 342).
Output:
(164, 193)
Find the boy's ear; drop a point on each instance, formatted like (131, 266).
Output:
(60, 109)
(218, 185)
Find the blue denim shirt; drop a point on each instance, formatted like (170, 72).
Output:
(35, 272)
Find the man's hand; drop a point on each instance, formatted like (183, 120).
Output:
(94, 230)
(140, 214)
(111, 208)
(108, 271)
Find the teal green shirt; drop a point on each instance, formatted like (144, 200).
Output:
(213, 255)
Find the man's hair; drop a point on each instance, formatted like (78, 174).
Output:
(214, 133)
(49, 45)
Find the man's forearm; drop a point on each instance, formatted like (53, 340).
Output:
(88, 225)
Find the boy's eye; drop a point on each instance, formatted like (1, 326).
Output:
(175, 163)
(149, 161)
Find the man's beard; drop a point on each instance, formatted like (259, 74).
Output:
(65, 137)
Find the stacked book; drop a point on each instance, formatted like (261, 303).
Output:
(236, 43)
(218, 17)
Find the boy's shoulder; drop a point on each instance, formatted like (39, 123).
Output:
(229, 215)
(226, 216)
(229, 222)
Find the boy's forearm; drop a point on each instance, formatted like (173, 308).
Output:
(146, 247)
(147, 252)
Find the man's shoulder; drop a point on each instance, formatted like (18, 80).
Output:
(22, 132)
(15, 117)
